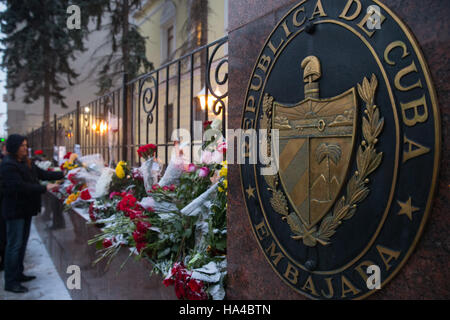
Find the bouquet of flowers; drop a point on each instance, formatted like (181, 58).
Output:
(178, 223)
(150, 168)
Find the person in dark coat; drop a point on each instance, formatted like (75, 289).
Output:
(21, 201)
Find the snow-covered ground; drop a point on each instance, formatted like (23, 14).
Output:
(48, 285)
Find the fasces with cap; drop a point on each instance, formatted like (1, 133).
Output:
(14, 142)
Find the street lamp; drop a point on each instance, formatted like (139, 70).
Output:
(207, 101)
(100, 126)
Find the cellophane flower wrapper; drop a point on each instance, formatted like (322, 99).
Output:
(150, 169)
(93, 162)
(173, 171)
(103, 183)
(214, 274)
(44, 165)
(201, 207)
(91, 171)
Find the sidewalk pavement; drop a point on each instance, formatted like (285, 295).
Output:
(48, 285)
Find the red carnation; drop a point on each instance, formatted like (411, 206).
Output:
(138, 236)
(185, 286)
(72, 179)
(128, 202)
(179, 290)
(38, 152)
(107, 243)
(168, 282)
(69, 189)
(143, 227)
(68, 154)
(91, 212)
(133, 214)
(206, 124)
(140, 246)
(146, 151)
(85, 195)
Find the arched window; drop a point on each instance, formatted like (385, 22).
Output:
(168, 31)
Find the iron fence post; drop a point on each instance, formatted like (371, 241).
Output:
(55, 129)
(124, 117)
(77, 125)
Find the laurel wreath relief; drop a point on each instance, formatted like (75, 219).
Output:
(367, 161)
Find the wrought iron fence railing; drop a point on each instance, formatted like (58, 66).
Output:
(180, 94)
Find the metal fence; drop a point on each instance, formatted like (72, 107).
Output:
(181, 94)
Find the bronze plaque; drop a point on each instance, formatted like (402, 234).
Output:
(347, 89)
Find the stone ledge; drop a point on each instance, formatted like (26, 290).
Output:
(65, 235)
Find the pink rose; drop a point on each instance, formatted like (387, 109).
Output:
(203, 172)
(191, 168)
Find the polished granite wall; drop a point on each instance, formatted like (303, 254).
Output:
(425, 275)
(66, 235)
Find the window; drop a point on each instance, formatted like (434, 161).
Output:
(168, 31)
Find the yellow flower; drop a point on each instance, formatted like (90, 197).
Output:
(119, 170)
(69, 165)
(223, 172)
(72, 198)
(225, 186)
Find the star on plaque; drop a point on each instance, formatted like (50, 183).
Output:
(250, 192)
(407, 208)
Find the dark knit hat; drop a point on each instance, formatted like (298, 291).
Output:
(14, 142)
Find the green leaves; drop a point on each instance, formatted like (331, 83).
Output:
(191, 186)
(127, 46)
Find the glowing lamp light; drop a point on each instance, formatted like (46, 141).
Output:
(207, 100)
(103, 127)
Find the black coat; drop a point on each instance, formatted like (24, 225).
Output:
(21, 190)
